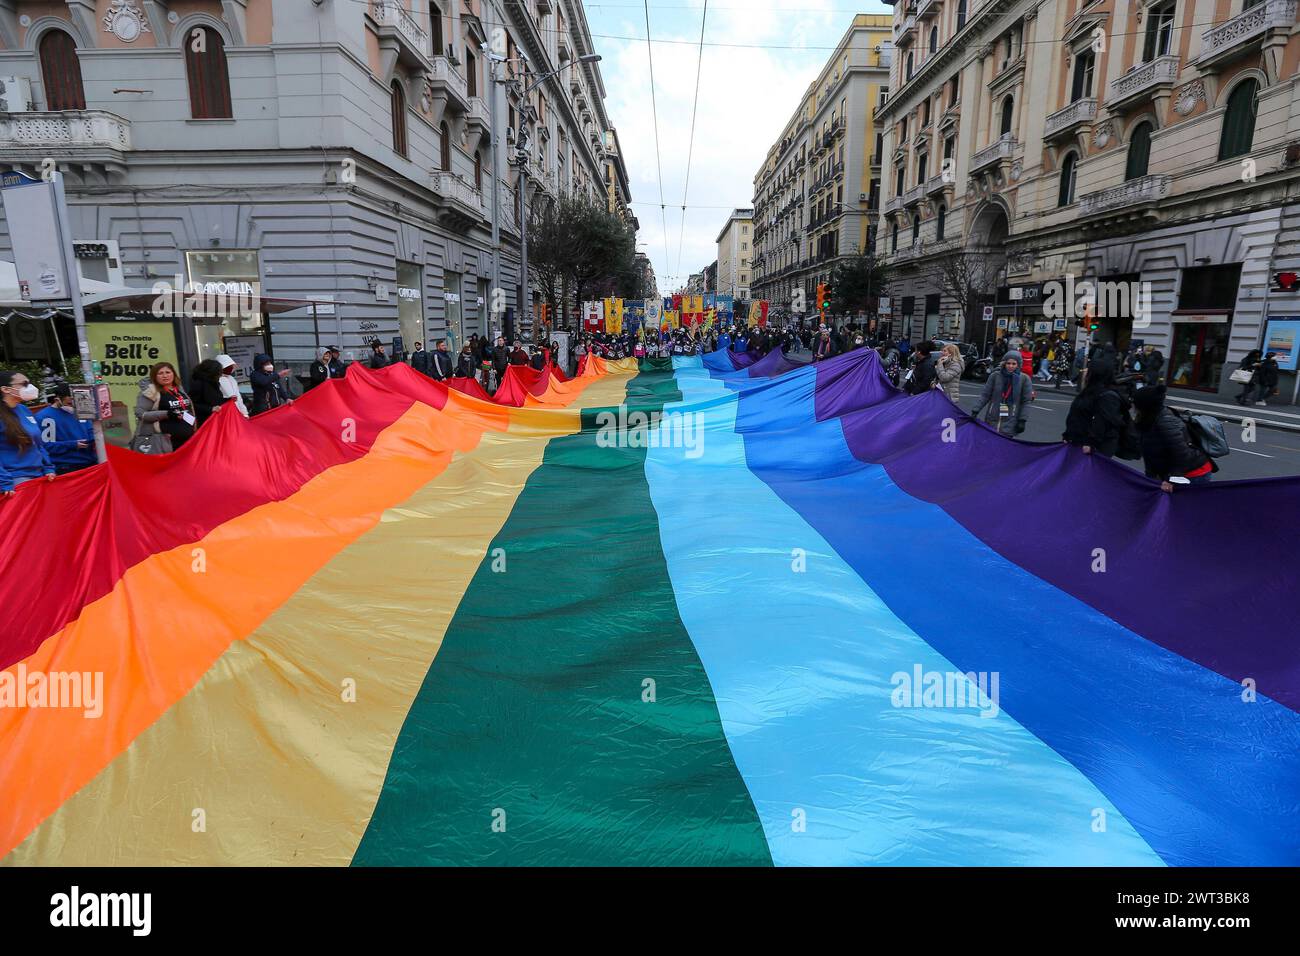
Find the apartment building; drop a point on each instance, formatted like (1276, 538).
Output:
(815, 195)
(1151, 145)
(337, 151)
(735, 255)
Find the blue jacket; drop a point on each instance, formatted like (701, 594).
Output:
(67, 431)
(16, 465)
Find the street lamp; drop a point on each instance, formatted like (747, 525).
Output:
(521, 159)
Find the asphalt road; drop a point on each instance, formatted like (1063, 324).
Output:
(1274, 453)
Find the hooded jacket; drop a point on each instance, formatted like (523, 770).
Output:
(230, 385)
(268, 391)
(1019, 392)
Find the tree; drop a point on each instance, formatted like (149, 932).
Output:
(577, 243)
(856, 284)
(966, 276)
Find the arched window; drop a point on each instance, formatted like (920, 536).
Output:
(397, 106)
(916, 229)
(1066, 195)
(61, 71)
(934, 40)
(1139, 151)
(1239, 121)
(207, 73)
(893, 237)
(1008, 114)
(444, 157)
(478, 171)
(961, 13)
(941, 223)
(910, 63)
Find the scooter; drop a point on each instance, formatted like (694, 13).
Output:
(982, 369)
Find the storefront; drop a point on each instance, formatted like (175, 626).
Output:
(1202, 326)
(223, 288)
(410, 304)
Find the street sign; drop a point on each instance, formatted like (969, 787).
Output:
(988, 315)
(16, 179)
(92, 402)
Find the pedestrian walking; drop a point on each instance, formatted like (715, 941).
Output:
(948, 371)
(1263, 378)
(1005, 400)
(23, 456)
(69, 442)
(1168, 451)
(1099, 419)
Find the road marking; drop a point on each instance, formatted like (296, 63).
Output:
(1258, 454)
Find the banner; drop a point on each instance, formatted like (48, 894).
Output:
(126, 351)
(614, 316)
(593, 316)
(727, 305)
(654, 310)
(677, 302)
(755, 313)
(762, 317)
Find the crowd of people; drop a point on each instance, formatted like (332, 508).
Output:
(1120, 409)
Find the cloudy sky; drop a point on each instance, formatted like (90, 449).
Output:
(764, 53)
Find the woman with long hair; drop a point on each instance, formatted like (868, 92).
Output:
(164, 407)
(22, 453)
(948, 371)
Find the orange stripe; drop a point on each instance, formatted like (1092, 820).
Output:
(165, 623)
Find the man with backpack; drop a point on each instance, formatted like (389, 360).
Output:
(1168, 448)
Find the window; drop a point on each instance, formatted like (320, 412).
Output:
(1066, 195)
(900, 181)
(893, 237)
(909, 66)
(879, 148)
(941, 221)
(471, 77)
(1008, 114)
(916, 229)
(954, 91)
(961, 13)
(397, 104)
(444, 137)
(1139, 151)
(435, 29)
(925, 113)
(1209, 287)
(1084, 66)
(949, 147)
(921, 168)
(934, 40)
(61, 71)
(1159, 31)
(478, 171)
(208, 76)
(1239, 121)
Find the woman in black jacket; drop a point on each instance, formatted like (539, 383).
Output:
(1098, 417)
(268, 388)
(205, 390)
(1167, 447)
(1249, 364)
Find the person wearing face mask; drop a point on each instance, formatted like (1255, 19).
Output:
(69, 442)
(268, 385)
(230, 384)
(164, 407)
(23, 456)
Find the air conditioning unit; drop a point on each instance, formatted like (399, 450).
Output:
(98, 259)
(862, 197)
(16, 94)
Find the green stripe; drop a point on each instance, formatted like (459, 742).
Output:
(534, 705)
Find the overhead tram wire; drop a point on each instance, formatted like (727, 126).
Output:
(654, 112)
(690, 149)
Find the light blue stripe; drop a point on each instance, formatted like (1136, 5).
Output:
(800, 664)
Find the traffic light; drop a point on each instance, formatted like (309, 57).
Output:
(1286, 281)
(823, 297)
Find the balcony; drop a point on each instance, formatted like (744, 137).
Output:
(925, 9)
(1134, 193)
(396, 27)
(70, 129)
(461, 204)
(893, 205)
(936, 185)
(914, 196)
(1068, 120)
(447, 89)
(998, 152)
(905, 32)
(479, 126)
(1143, 82)
(1246, 32)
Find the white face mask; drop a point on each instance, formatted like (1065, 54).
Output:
(28, 393)
(268, 368)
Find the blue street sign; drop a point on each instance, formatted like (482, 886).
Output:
(16, 179)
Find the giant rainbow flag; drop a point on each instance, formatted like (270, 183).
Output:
(729, 611)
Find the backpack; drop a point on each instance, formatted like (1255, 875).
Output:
(1208, 433)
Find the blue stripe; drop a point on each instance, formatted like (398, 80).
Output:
(1205, 778)
(801, 667)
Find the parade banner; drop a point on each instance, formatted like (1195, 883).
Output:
(593, 316)
(677, 302)
(762, 312)
(727, 305)
(614, 316)
(654, 311)
(911, 734)
(755, 314)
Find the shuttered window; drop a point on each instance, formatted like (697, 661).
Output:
(61, 71)
(1139, 152)
(207, 73)
(1239, 121)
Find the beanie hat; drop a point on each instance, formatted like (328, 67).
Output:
(1012, 356)
(1148, 401)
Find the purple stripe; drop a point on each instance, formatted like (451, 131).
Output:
(1205, 572)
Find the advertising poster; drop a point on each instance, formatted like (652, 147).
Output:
(125, 351)
(1281, 338)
